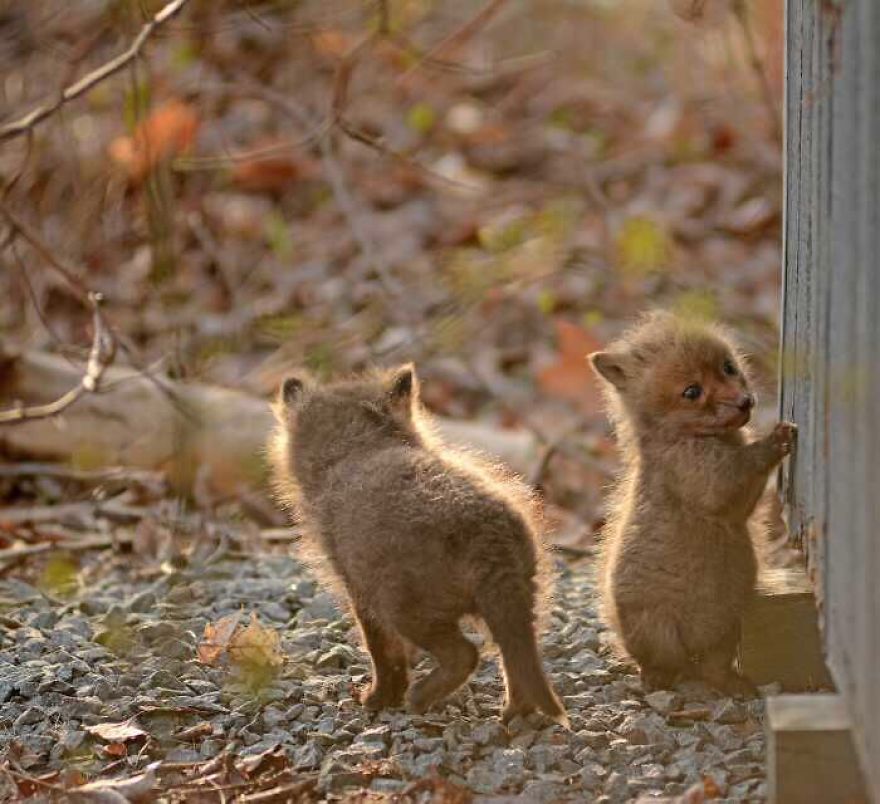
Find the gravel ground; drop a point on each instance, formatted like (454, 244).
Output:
(125, 650)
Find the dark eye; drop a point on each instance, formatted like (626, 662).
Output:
(692, 392)
(729, 369)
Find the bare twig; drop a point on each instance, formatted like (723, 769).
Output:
(101, 355)
(459, 36)
(741, 11)
(87, 82)
(19, 227)
(384, 25)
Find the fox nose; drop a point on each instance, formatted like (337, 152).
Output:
(746, 402)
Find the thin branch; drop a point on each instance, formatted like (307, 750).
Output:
(384, 25)
(19, 227)
(87, 82)
(101, 355)
(741, 11)
(457, 37)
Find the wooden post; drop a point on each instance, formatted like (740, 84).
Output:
(811, 757)
(780, 634)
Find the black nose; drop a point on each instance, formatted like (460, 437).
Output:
(746, 402)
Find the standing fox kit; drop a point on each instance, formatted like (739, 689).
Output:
(418, 535)
(679, 566)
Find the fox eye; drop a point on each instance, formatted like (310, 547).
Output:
(692, 392)
(729, 368)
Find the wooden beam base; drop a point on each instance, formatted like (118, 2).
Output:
(780, 634)
(810, 752)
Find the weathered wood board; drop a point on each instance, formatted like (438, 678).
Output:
(830, 364)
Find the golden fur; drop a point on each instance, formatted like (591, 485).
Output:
(678, 564)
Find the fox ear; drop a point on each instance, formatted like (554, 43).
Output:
(404, 386)
(611, 366)
(291, 391)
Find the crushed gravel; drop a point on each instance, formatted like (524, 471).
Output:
(124, 650)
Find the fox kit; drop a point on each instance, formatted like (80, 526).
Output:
(679, 566)
(418, 535)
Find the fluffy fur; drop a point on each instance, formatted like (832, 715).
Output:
(416, 534)
(679, 566)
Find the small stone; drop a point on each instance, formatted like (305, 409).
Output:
(142, 603)
(30, 716)
(490, 732)
(71, 738)
(543, 791)
(337, 782)
(429, 744)
(592, 776)
(182, 755)
(376, 734)
(165, 680)
(523, 740)
(484, 780)
(544, 758)
(387, 786)
(594, 739)
(426, 764)
(730, 711)
(153, 632)
(321, 607)
(664, 701)
(45, 620)
(307, 757)
(337, 658)
(275, 611)
(616, 786)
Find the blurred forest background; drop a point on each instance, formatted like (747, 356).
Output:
(200, 196)
(491, 191)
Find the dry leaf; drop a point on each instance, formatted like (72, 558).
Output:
(440, 790)
(115, 750)
(256, 645)
(195, 732)
(116, 732)
(134, 789)
(216, 638)
(643, 246)
(168, 131)
(29, 786)
(711, 788)
(272, 759)
(272, 172)
(332, 43)
(571, 377)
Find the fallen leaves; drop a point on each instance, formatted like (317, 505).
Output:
(216, 638)
(570, 378)
(643, 246)
(273, 166)
(256, 645)
(168, 131)
(253, 651)
(134, 789)
(116, 732)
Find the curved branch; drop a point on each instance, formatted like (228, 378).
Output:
(74, 90)
(100, 356)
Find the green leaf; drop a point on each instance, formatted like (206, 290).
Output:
(421, 118)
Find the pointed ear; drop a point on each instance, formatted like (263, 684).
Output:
(291, 391)
(404, 387)
(611, 366)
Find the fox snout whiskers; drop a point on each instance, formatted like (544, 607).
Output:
(744, 402)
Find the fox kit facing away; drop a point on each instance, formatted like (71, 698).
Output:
(679, 566)
(419, 536)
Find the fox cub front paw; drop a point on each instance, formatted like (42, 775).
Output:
(784, 435)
